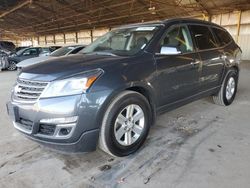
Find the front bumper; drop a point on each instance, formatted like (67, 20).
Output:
(82, 135)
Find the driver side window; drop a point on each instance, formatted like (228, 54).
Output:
(31, 51)
(176, 41)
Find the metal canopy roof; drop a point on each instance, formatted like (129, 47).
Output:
(26, 18)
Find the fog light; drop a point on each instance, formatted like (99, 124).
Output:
(60, 120)
(65, 131)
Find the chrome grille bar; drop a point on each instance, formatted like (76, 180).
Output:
(28, 90)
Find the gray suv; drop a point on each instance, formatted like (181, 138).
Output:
(25, 53)
(110, 94)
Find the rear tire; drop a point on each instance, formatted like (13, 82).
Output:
(125, 124)
(228, 89)
(12, 66)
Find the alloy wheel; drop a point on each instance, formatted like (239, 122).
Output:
(230, 89)
(12, 66)
(129, 125)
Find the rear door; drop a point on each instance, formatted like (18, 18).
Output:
(177, 65)
(211, 56)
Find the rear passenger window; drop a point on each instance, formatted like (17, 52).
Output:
(222, 36)
(203, 37)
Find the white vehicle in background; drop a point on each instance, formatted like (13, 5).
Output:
(63, 51)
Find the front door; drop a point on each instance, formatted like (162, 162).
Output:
(177, 66)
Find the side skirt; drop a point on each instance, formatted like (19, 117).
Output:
(179, 103)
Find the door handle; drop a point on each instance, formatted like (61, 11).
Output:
(195, 63)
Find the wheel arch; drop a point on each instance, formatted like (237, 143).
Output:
(236, 67)
(149, 95)
(227, 69)
(146, 91)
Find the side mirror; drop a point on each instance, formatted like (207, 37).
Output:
(166, 50)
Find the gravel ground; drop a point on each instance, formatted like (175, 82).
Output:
(198, 145)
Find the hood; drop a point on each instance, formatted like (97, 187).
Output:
(33, 61)
(58, 68)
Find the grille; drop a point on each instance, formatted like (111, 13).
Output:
(46, 129)
(27, 90)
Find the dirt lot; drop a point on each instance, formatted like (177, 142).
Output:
(198, 145)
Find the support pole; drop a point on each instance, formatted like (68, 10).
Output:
(54, 39)
(238, 26)
(91, 35)
(220, 19)
(76, 37)
(64, 38)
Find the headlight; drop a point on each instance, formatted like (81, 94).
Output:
(70, 86)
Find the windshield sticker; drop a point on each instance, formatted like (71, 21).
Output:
(145, 28)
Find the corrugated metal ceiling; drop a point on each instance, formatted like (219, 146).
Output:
(20, 18)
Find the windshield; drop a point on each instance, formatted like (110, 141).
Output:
(62, 51)
(125, 42)
(21, 51)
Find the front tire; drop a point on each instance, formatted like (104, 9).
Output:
(228, 89)
(12, 66)
(126, 124)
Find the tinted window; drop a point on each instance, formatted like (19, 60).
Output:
(45, 50)
(30, 51)
(222, 36)
(203, 37)
(177, 39)
(76, 50)
(20, 52)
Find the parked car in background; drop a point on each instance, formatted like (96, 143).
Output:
(63, 51)
(20, 48)
(23, 54)
(111, 93)
(3, 58)
(6, 48)
(53, 48)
